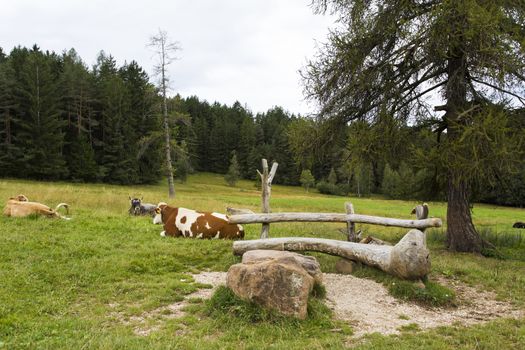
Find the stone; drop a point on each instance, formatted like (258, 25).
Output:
(344, 266)
(280, 285)
(309, 263)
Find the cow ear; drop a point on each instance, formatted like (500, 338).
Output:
(141, 198)
(157, 210)
(129, 197)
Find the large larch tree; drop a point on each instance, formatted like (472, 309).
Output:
(458, 65)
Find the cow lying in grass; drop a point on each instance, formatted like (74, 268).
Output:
(20, 207)
(194, 224)
(138, 208)
(519, 224)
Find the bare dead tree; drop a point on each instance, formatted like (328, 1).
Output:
(165, 51)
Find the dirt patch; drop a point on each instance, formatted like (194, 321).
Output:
(213, 278)
(369, 308)
(365, 304)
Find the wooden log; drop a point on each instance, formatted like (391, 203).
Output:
(238, 211)
(408, 259)
(350, 225)
(332, 217)
(266, 186)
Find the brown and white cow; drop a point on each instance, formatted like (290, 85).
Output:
(20, 206)
(194, 224)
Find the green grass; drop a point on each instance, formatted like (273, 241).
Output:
(431, 294)
(63, 283)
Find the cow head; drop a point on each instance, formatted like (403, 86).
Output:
(157, 219)
(20, 198)
(135, 206)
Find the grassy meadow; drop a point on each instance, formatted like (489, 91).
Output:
(82, 284)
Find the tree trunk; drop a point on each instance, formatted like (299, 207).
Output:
(164, 48)
(169, 166)
(461, 234)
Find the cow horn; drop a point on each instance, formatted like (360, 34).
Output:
(66, 206)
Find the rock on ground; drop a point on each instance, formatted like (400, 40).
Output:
(309, 263)
(277, 283)
(281, 281)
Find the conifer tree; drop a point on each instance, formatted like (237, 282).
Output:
(246, 145)
(391, 183)
(10, 152)
(182, 164)
(307, 180)
(41, 135)
(332, 177)
(390, 56)
(143, 123)
(234, 173)
(77, 94)
(116, 162)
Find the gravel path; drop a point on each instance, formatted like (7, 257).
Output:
(368, 307)
(363, 303)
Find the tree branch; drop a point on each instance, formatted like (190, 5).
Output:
(407, 102)
(520, 98)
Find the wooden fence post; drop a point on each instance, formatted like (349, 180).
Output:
(351, 236)
(421, 212)
(266, 187)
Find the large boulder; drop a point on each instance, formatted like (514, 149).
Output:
(280, 284)
(309, 263)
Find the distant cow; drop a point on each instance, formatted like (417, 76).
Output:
(194, 224)
(138, 208)
(519, 224)
(20, 206)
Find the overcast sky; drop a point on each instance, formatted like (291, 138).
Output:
(245, 50)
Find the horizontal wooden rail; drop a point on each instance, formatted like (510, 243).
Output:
(332, 217)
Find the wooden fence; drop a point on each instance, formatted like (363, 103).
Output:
(242, 216)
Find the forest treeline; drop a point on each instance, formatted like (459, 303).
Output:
(63, 120)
